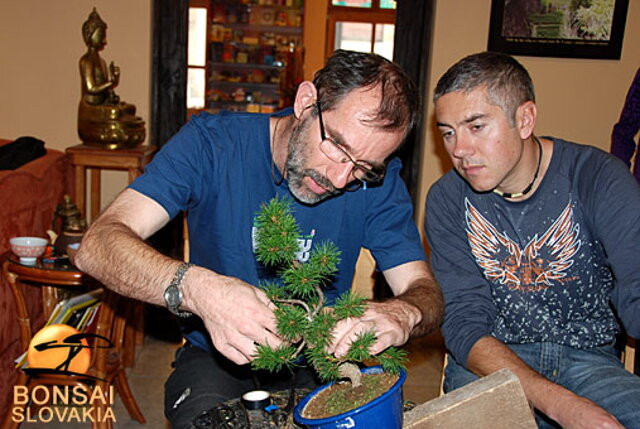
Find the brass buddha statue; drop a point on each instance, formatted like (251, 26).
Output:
(104, 120)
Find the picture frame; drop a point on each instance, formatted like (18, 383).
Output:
(558, 28)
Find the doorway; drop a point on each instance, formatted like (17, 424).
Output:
(412, 41)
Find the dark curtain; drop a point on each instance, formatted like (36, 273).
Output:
(411, 51)
(412, 41)
(169, 87)
(169, 96)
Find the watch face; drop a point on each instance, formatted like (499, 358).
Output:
(172, 297)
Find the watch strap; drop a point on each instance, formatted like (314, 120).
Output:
(177, 283)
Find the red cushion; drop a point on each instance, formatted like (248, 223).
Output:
(28, 197)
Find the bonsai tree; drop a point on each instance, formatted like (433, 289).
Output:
(304, 322)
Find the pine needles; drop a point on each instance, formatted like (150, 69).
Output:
(303, 322)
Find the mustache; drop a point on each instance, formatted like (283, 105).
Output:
(322, 181)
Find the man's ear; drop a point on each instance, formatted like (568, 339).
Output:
(306, 96)
(526, 116)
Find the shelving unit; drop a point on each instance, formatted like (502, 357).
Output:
(255, 54)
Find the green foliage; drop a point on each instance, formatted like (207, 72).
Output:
(349, 305)
(359, 349)
(319, 330)
(274, 359)
(326, 258)
(291, 321)
(302, 321)
(393, 360)
(325, 364)
(277, 233)
(274, 291)
(302, 280)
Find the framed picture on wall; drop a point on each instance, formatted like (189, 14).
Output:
(558, 28)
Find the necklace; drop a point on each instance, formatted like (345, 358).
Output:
(535, 176)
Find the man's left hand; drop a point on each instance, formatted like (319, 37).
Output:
(391, 321)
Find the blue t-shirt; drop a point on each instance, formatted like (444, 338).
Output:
(218, 168)
(549, 268)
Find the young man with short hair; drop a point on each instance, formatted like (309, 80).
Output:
(536, 245)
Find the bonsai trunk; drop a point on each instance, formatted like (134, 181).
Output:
(352, 372)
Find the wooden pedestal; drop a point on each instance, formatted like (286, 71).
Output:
(95, 159)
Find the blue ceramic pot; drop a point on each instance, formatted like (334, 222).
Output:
(384, 412)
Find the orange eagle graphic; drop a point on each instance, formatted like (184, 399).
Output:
(543, 259)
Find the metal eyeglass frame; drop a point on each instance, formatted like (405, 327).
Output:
(367, 175)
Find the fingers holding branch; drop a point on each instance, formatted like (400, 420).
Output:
(238, 317)
(386, 320)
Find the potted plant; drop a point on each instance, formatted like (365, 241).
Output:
(305, 324)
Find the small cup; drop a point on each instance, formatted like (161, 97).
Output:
(28, 249)
(256, 399)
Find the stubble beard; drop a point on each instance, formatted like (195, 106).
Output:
(297, 156)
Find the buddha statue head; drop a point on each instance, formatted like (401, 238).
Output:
(91, 25)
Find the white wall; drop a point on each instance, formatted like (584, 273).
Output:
(578, 99)
(40, 47)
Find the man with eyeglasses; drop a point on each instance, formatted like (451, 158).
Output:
(333, 152)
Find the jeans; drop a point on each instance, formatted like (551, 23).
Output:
(202, 380)
(595, 373)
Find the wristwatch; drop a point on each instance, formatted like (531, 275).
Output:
(173, 292)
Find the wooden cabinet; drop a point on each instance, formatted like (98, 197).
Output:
(255, 54)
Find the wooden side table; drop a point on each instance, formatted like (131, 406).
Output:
(108, 364)
(95, 159)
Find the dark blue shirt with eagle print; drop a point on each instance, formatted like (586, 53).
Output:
(562, 266)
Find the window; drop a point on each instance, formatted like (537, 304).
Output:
(361, 25)
(384, 4)
(197, 58)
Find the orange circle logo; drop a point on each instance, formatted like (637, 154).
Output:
(55, 347)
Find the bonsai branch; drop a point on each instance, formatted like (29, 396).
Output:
(301, 318)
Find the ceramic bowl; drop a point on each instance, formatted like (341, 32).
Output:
(28, 248)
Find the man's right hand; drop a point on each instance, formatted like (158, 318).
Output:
(237, 315)
(571, 411)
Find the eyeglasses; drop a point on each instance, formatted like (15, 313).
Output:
(362, 171)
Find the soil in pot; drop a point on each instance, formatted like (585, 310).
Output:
(341, 397)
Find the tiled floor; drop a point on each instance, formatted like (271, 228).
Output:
(154, 358)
